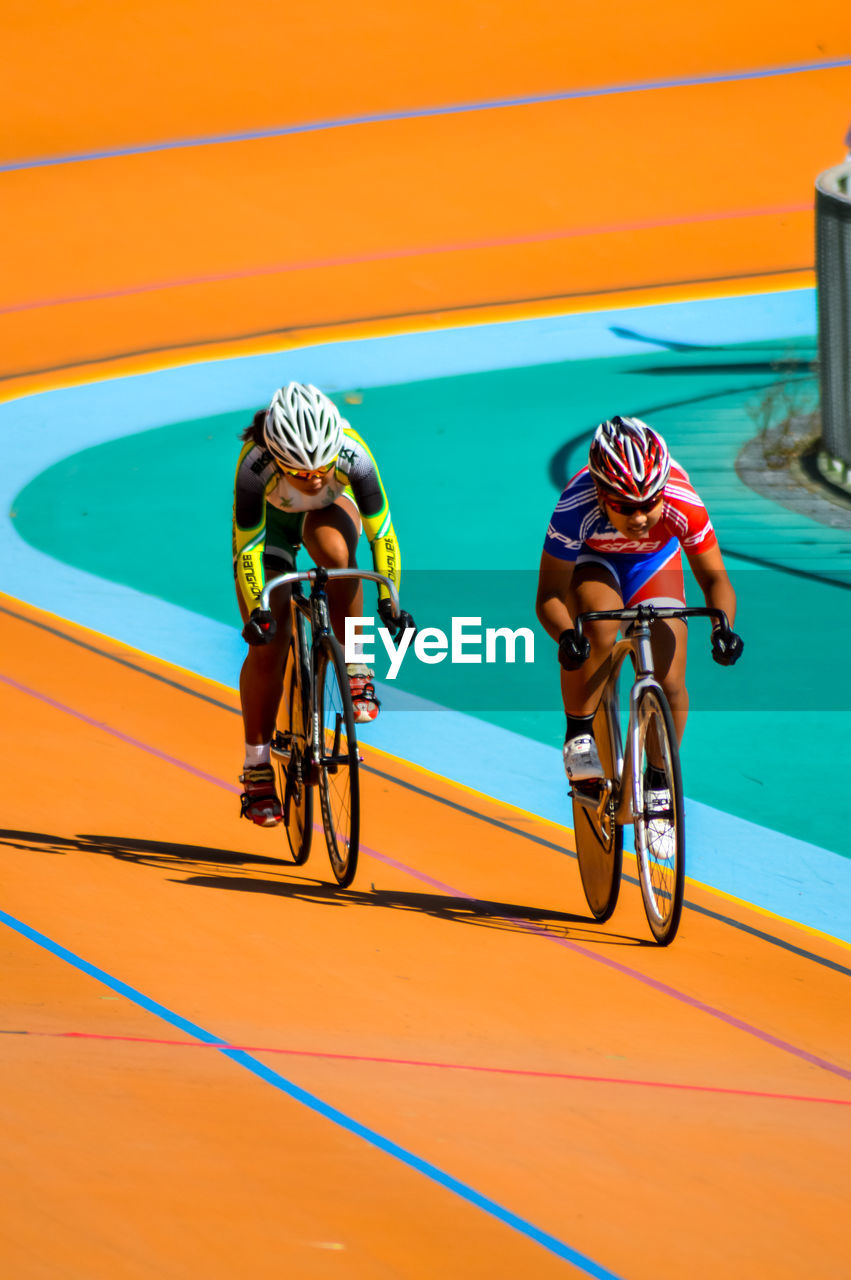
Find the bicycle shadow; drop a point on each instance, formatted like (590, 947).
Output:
(201, 862)
(150, 853)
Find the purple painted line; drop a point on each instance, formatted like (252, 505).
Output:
(409, 251)
(414, 113)
(116, 733)
(662, 987)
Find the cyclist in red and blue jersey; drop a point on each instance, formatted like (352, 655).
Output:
(615, 540)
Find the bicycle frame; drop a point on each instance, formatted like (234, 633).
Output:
(317, 750)
(314, 608)
(604, 805)
(627, 784)
(319, 577)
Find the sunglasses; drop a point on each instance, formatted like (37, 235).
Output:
(310, 475)
(626, 508)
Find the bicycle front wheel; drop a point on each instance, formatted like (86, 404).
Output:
(339, 791)
(293, 755)
(660, 824)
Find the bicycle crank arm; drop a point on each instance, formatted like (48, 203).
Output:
(596, 800)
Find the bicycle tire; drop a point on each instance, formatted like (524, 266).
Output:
(338, 779)
(660, 834)
(293, 757)
(599, 843)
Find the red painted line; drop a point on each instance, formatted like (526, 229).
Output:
(416, 251)
(524, 1072)
(663, 988)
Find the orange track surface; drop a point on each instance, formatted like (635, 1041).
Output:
(456, 1000)
(486, 1025)
(403, 221)
(146, 72)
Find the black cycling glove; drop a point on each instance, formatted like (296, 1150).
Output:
(573, 650)
(726, 647)
(260, 627)
(395, 623)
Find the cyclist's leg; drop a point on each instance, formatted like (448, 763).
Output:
(594, 586)
(658, 579)
(331, 538)
(262, 675)
(260, 688)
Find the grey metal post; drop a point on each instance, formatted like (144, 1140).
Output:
(833, 274)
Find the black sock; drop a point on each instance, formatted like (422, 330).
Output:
(577, 725)
(655, 779)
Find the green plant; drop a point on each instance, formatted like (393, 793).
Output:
(787, 413)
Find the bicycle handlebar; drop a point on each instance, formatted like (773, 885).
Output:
(648, 613)
(310, 575)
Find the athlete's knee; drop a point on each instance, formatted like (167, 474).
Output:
(331, 548)
(265, 659)
(601, 635)
(675, 691)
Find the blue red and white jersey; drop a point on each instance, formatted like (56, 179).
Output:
(579, 521)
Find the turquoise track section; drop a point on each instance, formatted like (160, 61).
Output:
(476, 429)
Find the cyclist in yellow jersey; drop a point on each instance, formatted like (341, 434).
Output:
(303, 477)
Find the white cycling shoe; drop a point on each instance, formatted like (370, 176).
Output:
(657, 803)
(364, 702)
(659, 831)
(581, 759)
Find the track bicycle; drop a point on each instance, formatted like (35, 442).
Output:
(601, 808)
(315, 743)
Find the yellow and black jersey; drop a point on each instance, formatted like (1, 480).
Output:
(263, 495)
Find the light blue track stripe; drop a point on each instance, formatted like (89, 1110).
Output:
(381, 117)
(257, 1068)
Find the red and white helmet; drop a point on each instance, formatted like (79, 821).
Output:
(303, 428)
(629, 459)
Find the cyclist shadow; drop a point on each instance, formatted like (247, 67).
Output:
(151, 853)
(205, 865)
(482, 912)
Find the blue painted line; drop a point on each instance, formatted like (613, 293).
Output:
(414, 113)
(114, 984)
(784, 875)
(309, 1100)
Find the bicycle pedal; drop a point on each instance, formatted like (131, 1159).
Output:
(586, 789)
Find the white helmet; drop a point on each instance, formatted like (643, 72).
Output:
(303, 428)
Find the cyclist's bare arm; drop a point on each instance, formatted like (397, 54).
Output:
(554, 579)
(371, 499)
(708, 568)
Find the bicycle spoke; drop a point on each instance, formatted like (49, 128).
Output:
(597, 837)
(338, 768)
(659, 824)
(291, 753)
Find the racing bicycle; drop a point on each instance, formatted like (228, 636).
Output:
(601, 808)
(315, 743)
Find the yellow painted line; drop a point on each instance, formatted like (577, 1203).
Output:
(131, 364)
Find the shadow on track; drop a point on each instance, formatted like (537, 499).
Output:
(201, 861)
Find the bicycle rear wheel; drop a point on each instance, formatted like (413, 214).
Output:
(339, 791)
(598, 838)
(660, 824)
(292, 752)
